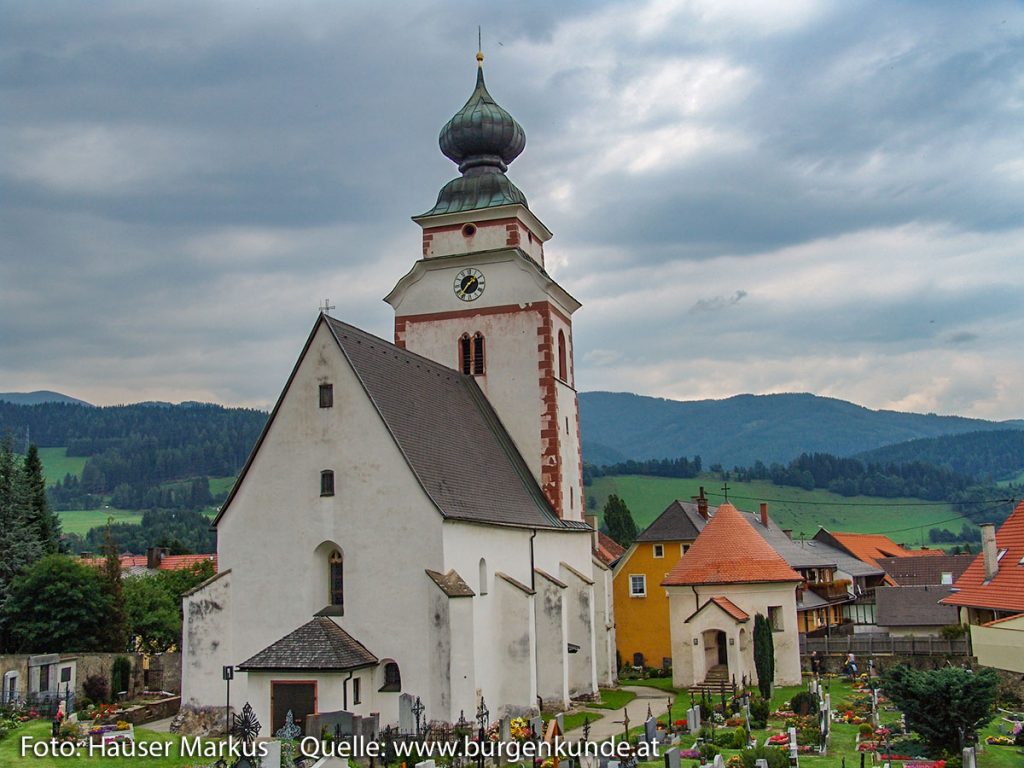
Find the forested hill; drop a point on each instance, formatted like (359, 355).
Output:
(987, 456)
(136, 447)
(742, 430)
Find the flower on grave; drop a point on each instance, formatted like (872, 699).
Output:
(680, 723)
(1004, 741)
(779, 738)
(549, 763)
(123, 725)
(494, 731)
(519, 729)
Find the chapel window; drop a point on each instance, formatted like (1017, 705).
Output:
(337, 578)
(471, 354)
(483, 576)
(356, 690)
(392, 678)
(775, 618)
(327, 482)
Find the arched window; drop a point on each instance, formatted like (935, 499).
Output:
(335, 564)
(392, 678)
(471, 354)
(563, 368)
(483, 577)
(327, 482)
(478, 354)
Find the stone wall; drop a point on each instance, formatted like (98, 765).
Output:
(164, 673)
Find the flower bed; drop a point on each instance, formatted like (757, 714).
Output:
(1000, 741)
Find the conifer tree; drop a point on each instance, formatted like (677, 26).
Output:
(618, 521)
(40, 517)
(19, 543)
(764, 655)
(116, 627)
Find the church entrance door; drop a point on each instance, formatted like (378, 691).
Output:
(299, 696)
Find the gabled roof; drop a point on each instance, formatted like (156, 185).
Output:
(679, 522)
(843, 560)
(317, 645)
(919, 571)
(607, 550)
(727, 605)
(730, 551)
(914, 607)
(869, 547)
(139, 564)
(1005, 592)
(447, 431)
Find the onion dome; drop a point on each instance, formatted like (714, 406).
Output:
(483, 139)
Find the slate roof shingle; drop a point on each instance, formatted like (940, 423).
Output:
(679, 522)
(1005, 592)
(916, 606)
(729, 551)
(919, 571)
(317, 645)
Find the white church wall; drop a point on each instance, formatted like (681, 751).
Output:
(552, 621)
(279, 530)
(463, 623)
(207, 631)
(604, 626)
(580, 622)
(516, 651)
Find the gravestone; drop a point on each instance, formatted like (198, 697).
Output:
(272, 758)
(719, 761)
(672, 757)
(505, 729)
(426, 764)
(693, 719)
(794, 758)
(537, 726)
(614, 764)
(650, 730)
(760, 763)
(970, 760)
(337, 722)
(560, 718)
(406, 719)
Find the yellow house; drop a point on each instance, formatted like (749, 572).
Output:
(641, 604)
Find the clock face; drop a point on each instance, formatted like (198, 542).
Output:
(469, 284)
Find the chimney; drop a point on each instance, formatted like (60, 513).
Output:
(702, 504)
(788, 532)
(592, 522)
(764, 514)
(989, 551)
(153, 557)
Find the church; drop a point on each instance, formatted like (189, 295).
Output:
(411, 520)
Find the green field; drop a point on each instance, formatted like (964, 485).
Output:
(81, 520)
(221, 484)
(904, 520)
(56, 464)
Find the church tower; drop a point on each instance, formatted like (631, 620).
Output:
(480, 301)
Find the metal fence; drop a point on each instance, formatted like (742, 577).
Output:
(45, 703)
(879, 644)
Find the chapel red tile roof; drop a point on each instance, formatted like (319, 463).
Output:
(730, 551)
(607, 549)
(1005, 592)
(167, 562)
(871, 547)
(730, 607)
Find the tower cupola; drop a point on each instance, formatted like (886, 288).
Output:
(482, 138)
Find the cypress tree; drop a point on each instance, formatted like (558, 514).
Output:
(764, 655)
(618, 520)
(116, 627)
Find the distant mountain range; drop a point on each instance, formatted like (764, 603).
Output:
(741, 430)
(41, 396)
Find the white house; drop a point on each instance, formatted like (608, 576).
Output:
(411, 518)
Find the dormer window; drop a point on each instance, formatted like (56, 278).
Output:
(326, 395)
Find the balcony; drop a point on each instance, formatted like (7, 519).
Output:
(833, 591)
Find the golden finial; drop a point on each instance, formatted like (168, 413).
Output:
(479, 48)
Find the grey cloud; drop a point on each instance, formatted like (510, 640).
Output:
(718, 302)
(962, 337)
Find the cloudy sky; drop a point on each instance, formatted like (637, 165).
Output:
(746, 197)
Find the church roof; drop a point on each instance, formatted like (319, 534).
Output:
(449, 433)
(317, 645)
(730, 551)
(679, 522)
(483, 139)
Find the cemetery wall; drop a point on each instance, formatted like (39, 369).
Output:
(164, 673)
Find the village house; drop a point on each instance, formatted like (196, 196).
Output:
(411, 520)
(728, 576)
(990, 595)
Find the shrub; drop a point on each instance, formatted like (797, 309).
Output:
(804, 704)
(865, 729)
(97, 688)
(739, 738)
(776, 758)
(724, 739)
(759, 709)
(708, 752)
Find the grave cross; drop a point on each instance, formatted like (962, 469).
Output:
(482, 714)
(417, 710)
(586, 728)
(649, 714)
(625, 722)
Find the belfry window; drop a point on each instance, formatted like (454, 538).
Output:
(337, 578)
(563, 368)
(471, 354)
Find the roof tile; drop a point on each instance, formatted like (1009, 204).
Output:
(1005, 592)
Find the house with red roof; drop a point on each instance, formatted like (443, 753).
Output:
(990, 595)
(728, 576)
(155, 559)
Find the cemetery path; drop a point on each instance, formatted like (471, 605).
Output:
(606, 727)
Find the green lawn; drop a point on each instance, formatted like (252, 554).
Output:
(56, 464)
(613, 699)
(81, 520)
(221, 484)
(39, 729)
(802, 511)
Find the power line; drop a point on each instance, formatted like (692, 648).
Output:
(864, 504)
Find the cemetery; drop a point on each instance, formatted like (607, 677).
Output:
(830, 722)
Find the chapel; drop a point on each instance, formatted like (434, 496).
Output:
(410, 521)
